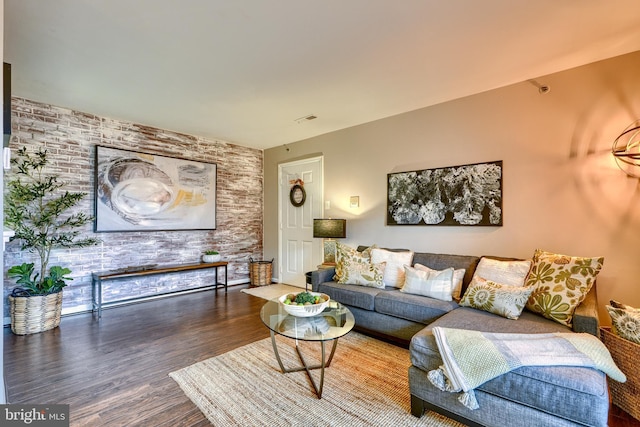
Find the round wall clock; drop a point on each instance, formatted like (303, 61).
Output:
(297, 195)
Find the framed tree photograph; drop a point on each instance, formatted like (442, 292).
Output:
(146, 192)
(457, 195)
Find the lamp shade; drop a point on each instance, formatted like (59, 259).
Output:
(330, 228)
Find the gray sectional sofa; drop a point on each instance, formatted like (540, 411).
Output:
(528, 396)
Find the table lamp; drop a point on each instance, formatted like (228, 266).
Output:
(330, 229)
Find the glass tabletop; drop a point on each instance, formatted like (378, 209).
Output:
(334, 322)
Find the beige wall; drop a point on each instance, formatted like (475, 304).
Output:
(562, 190)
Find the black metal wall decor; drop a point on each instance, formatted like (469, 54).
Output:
(457, 195)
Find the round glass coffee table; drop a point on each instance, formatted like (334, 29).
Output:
(334, 322)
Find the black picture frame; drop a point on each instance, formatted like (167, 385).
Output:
(466, 195)
(137, 191)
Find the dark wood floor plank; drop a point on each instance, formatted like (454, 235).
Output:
(114, 372)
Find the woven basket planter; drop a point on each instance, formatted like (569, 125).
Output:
(260, 272)
(30, 315)
(625, 353)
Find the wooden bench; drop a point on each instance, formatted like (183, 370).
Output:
(138, 271)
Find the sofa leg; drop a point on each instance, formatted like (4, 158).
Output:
(417, 406)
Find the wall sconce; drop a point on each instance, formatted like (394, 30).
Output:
(330, 229)
(626, 150)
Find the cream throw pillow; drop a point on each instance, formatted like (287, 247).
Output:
(394, 271)
(458, 276)
(510, 273)
(434, 284)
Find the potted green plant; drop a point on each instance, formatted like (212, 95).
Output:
(211, 256)
(42, 217)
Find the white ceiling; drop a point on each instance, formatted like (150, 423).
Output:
(244, 70)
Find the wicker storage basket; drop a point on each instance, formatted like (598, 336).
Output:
(33, 314)
(625, 353)
(260, 272)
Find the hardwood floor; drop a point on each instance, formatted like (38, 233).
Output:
(115, 372)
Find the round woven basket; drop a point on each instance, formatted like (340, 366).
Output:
(33, 314)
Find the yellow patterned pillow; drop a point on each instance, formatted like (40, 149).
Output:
(560, 283)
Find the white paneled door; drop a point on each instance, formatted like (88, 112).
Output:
(299, 251)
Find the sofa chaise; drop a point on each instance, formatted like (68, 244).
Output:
(536, 396)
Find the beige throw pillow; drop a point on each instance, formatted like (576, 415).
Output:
(458, 276)
(510, 273)
(395, 261)
(434, 284)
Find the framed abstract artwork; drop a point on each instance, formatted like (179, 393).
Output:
(457, 195)
(146, 192)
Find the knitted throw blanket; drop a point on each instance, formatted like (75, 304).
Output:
(472, 358)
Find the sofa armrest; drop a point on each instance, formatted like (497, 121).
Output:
(585, 318)
(320, 276)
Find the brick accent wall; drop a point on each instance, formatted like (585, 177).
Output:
(70, 138)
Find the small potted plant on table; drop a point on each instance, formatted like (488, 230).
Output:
(41, 217)
(211, 256)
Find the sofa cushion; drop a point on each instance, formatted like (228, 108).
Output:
(353, 295)
(503, 300)
(563, 391)
(547, 389)
(423, 344)
(416, 308)
(561, 283)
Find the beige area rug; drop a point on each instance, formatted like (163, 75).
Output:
(366, 385)
(270, 292)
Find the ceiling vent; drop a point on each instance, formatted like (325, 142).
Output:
(306, 118)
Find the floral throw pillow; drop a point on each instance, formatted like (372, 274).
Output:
(560, 283)
(344, 254)
(355, 268)
(364, 274)
(504, 300)
(625, 322)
